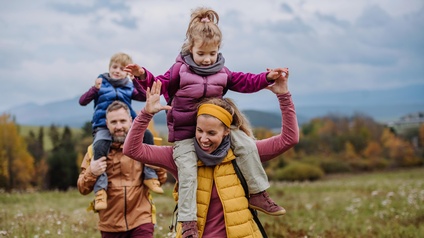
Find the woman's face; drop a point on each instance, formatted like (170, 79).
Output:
(209, 132)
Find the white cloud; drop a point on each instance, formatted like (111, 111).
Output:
(53, 50)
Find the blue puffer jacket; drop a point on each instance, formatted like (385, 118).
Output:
(106, 95)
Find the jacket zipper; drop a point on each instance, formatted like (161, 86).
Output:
(205, 83)
(116, 92)
(125, 207)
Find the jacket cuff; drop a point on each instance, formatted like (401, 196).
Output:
(285, 99)
(89, 176)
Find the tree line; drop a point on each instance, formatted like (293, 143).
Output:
(339, 144)
(329, 144)
(26, 164)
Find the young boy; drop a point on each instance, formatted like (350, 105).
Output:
(108, 87)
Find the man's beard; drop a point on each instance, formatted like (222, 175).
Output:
(119, 139)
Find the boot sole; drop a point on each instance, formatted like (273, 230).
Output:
(277, 213)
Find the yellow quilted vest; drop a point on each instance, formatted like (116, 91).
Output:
(238, 219)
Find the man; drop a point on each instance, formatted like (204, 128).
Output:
(129, 211)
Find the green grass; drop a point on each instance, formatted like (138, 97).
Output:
(386, 204)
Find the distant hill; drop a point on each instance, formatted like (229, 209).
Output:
(70, 113)
(384, 106)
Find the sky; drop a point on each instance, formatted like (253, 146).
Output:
(53, 50)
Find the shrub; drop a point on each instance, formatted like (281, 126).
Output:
(335, 166)
(296, 171)
(361, 165)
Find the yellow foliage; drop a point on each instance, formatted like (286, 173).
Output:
(349, 152)
(16, 164)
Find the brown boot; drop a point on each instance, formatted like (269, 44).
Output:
(154, 185)
(262, 202)
(100, 202)
(190, 229)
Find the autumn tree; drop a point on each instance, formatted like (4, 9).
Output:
(16, 164)
(421, 141)
(37, 150)
(421, 135)
(373, 150)
(399, 151)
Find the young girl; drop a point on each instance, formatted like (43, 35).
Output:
(108, 87)
(199, 73)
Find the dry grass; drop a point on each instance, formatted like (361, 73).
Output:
(388, 204)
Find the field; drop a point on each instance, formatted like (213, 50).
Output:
(385, 204)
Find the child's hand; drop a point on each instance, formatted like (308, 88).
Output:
(135, 70)
(98, 83)
(275, 74)
(280, 85)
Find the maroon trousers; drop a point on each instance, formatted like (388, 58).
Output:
(142, 231)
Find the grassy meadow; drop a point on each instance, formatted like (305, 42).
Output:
(384, 204)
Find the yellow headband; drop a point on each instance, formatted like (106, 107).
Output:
(216, 111)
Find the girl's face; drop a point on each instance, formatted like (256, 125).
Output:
(204, 55)
(116, 71)
(210, 132)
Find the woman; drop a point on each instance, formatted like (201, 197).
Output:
(221, 212)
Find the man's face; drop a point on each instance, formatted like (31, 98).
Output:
(118, 122)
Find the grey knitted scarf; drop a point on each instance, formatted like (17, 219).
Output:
(116, 82)
(205, 71)
(215, 157)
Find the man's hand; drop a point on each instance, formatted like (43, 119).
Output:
(98, 166)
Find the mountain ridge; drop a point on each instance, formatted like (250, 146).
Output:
(384, 106)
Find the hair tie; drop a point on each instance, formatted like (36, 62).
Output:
(205, 20)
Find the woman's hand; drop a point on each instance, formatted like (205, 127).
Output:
(280, 85)
(153, 105)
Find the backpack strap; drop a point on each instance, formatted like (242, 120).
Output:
(246, 192)
(173, 226)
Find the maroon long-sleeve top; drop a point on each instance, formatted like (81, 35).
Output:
(162, 155)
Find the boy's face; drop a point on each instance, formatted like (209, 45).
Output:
(116, 71)
(204, 55)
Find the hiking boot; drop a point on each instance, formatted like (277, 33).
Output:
(100, 201)
(154, 185)
(262, 202)
(190, 229)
